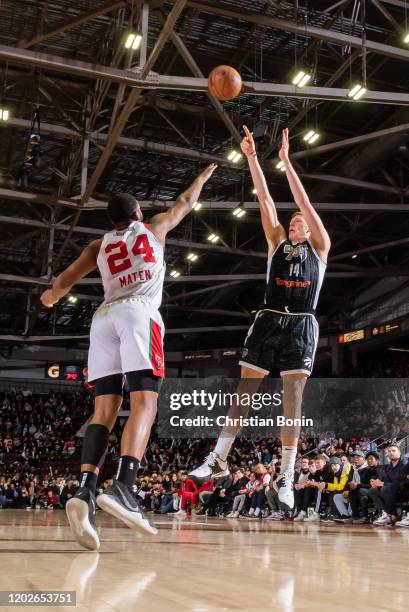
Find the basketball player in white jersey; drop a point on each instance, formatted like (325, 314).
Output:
(126, 339)
(285, 331)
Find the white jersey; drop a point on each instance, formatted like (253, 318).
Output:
(131, 264)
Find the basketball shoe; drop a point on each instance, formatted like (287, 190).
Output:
(80, 511)
(119, 501)
(284, 485)
(212, 467)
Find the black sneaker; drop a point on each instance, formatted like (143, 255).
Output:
(329, 519)
(80, 511)
(119, 501)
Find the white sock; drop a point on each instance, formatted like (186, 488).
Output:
(257, 512)
(289, 455)
(224, 444)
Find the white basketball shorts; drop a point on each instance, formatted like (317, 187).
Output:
(126, 336)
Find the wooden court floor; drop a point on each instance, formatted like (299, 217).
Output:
(208, 565)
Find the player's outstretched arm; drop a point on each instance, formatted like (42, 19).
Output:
(273, 229)
(162, 223)
(319, 235)
(86, 263)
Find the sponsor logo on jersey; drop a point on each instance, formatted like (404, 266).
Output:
(281, 282)
(295, 252)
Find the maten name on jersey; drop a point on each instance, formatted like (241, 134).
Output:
(135, 277)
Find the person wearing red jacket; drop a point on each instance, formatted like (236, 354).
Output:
(189, 496)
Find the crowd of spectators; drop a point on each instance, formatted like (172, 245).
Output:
(337, 479)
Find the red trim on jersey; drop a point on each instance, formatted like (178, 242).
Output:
(156, 350)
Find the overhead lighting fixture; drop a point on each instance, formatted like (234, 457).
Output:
(354, 256)
(311, 137)
(133, 41)
(234, 156)
(406, 39)
(280, 166)
(213, 238)
(192, 257)
(301, 78)
(174, 274)
(72, 299)
(254, 191)
(196, 206)
(4, 114)
(356, 92)
(239, 212)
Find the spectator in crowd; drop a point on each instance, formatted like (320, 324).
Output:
(68, 491)
(300, 479)
(365, 469)
(218, 496)
(384, 492)
(259, 495)
(337, 489)
(189, 495)
(244, 495)
(315, 486)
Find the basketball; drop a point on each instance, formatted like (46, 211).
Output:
(225, 83)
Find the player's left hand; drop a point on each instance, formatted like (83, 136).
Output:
(48, 298)
(207, 172)
(285, 146)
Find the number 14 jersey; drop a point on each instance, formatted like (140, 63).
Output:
(131, 264)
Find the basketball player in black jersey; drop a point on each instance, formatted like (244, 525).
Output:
(285, 331)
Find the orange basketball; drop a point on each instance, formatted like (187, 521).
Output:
(225, 83)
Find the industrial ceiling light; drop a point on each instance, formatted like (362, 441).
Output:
(213, 238)
(196, 206)
(254, 191)
(234, 156)
(301, 78)
(239, 212)
(174, 274)
(280, 166)
(406, 39)
(133, 41)
(356, 92)
(192, 257)
(72, 299)
(354, 256)
(311, 136)
(4, 114)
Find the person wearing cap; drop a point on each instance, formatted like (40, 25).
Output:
(342, 475)
(365, 469)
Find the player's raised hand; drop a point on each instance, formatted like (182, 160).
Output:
(207, 172)
(285, 146)
(247, 144)
(48, 299)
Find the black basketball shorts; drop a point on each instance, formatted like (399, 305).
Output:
(280, 340)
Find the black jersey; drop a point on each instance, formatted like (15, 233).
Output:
(294, 278)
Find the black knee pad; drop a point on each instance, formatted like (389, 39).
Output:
(143, 380)
(109, 385)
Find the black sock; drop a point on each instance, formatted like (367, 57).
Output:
(127, 470)
(89, 480)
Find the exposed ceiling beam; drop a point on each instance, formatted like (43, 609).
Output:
(305, 30)
(343, 180)
(155, 205)
(350, 142)
(72, 23)
(371, 249)
(144, 80)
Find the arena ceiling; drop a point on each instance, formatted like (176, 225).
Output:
(66, 62)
